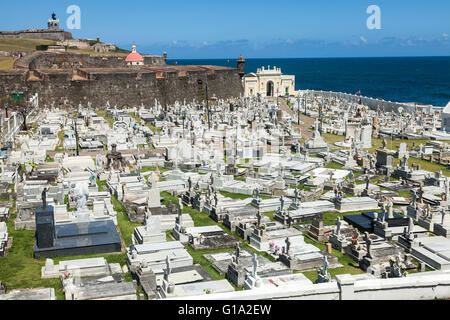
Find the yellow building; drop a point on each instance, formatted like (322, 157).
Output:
(269, 83)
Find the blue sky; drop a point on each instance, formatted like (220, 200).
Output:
(257, 29)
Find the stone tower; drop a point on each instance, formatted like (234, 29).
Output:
(241, 66)
(53, 23)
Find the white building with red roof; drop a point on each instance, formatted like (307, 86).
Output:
(134, 58)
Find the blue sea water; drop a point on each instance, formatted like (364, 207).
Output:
(404, 79)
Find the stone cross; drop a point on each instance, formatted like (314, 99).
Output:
(167, 272)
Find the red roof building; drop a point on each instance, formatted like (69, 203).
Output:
(134, 58)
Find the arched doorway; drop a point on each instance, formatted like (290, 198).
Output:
(270, 89)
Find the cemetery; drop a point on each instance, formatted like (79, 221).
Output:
(234, 200)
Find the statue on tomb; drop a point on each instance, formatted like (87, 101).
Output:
(281, 203)
(325, 266)
(296, 195)
(216, 199)
(338, 226)
(289, 220)
(255, 265)
(44, 198)
(115, 159)
(197, 186)
(288, 245)
(209, 190)
(410, 227)
(384, 144)
(368, 242)
(443, 216)
(414, 197)
(258, 217)
(189, 184)
(237, 253)
(390, 210)
(421, 192)
(256, 193)
(168, 270)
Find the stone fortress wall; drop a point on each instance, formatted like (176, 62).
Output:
(69, 79)
(48, 34)
(64, 60)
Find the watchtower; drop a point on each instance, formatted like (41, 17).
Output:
(241, 66)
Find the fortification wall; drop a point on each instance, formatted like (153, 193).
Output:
(66, 60)
(427, 286)
(121, 87)
(57, 35)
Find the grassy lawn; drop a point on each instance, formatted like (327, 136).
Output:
(270, 214)
(332, 138)
(202, 219)
(7, 63)
(125, 225)
(102, 113)
(234, 195)
(395, 144)
(152, 127)
(329, 218)
(28, 45)
(334, 165)
(429, 166)
(19, 270)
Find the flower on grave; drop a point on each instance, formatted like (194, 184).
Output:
(271, 244)
(277, 248)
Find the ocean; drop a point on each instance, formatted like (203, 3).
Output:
(409, 79)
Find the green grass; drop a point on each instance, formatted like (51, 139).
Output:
(332, 138)
(334, 165)
(125, 225)
(102, 113)
(28, 45)
(20, 270)
(7, 63)
(270, 214)
(234, 195)
(329, 218)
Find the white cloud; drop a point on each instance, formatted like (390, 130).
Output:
(363, 39)
(445, 35)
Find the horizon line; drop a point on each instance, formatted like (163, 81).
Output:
(364, 57)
